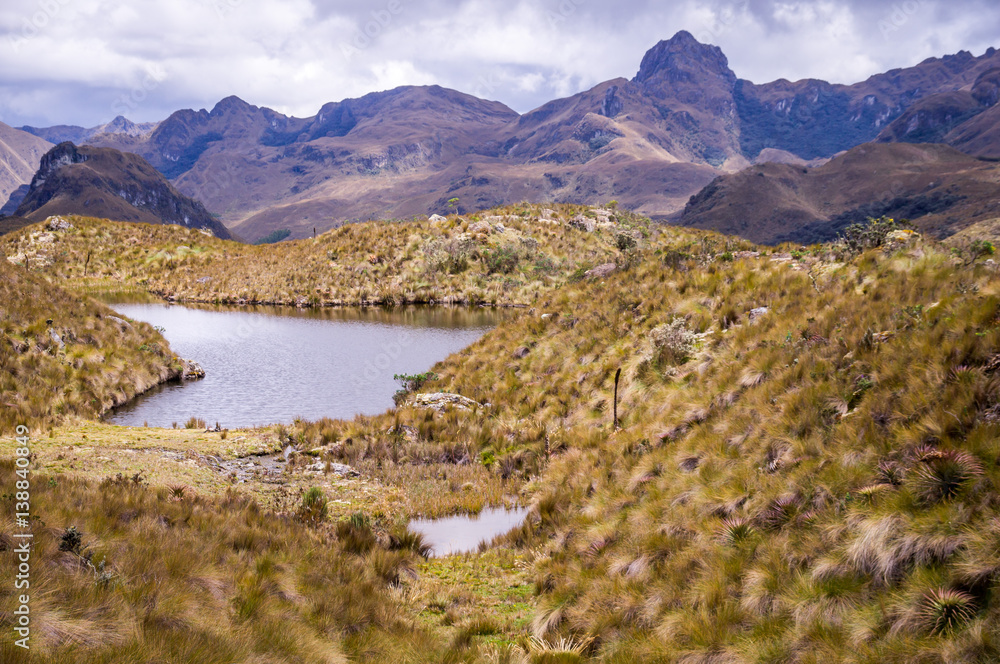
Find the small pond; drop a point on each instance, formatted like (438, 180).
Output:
(463, 534)
(272, 364)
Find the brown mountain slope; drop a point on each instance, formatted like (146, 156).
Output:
(979, 136)
(102, 182)
(682, 119)
(20, 154)
(938, 188)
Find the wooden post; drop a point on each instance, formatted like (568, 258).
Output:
(617, 376)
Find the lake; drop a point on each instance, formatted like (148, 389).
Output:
(268, 364)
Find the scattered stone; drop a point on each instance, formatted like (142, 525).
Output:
(42, 238)
(548, 316)
(190, 370)
(409, 433)
(436, 219)
(757, 313)
(901, 237)
(204, 280)
(56, 338)
(57, 224)
(583, 223)
(481, 227)
(441, 400)
(338, 469)
(601, 271)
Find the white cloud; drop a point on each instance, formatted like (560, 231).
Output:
(70, 61)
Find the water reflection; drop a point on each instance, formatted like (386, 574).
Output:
(463, 534)
(269, 364)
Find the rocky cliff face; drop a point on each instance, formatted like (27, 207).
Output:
(102, 182)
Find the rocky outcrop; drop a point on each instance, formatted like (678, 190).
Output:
(601, 271)
(191, 370)
(441, 401)
(102, 182)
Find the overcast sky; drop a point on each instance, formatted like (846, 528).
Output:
(85, 61)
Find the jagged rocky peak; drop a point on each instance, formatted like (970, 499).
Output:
(232, 104)
(120, 125)
(61, 155)
(683, 58)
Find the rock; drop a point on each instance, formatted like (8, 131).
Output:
(191, 370)
(441, 400)
(521, 352)
(409, 433)
(203, 280)
(901, 238)
(121, 321)
(42, 238)
(601, 271)
(56, 338)
(338, 469)
(757, 313)
(548, 214)
(500, 228)
(481, 227)
(57, 224)
(583, 223)
(436, 219)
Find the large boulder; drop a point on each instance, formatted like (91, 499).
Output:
(443, 400)
(191, 370)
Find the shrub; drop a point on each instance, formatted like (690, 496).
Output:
(502, 260)
(313, 509)
(673, 343)
(71, 540)
(862, 237)
(195, 423)
(274, 236)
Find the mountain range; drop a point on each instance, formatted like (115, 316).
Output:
(649, 142)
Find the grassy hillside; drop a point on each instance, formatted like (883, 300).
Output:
(805, 470)
(505, 257)
(62, 355)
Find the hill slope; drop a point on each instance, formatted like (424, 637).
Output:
(20, 154)
(785, 483)
(110, 184)
(938, 188)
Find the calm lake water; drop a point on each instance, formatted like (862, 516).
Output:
(273, 364)
(462, 534)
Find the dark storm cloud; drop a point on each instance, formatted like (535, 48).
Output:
(85, 61)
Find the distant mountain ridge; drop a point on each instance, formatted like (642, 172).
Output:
(103, 182)
(649, 142)
(120, 125)
(936, 187)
